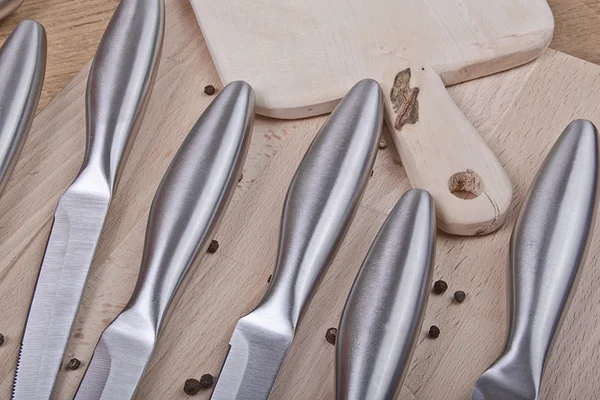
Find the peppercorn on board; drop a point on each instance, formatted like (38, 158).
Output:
(520, 113)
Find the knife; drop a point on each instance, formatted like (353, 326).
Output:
(7, 7)
(320, 204)
(119, 85)
(186, 210)
(383, 314)
(547, 252)
(22, 69)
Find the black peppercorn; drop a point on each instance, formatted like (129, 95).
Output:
(191, 387)
(331, 335)
(440, 287)
(73, 364)
(1, 339)
(213, 247)
(209, 90)
(269, 278)
(207, 381)
(460, 296)
(434, 332)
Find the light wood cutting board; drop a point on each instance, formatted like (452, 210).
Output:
(302, 56)
(520, 113)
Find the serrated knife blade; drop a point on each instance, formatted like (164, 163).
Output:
(319, 207)
(186, 210)
(119, 85)
(78, 221)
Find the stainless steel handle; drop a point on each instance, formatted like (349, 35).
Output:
(322, 199)
(548, 249)
(7, 7)
(119, 85)
(192, 198)
(22, 69)
(384, 311)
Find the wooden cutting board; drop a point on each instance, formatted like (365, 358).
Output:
(302, 56)
(520, 113)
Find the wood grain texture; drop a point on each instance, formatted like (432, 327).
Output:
(74, 28)
(444, 154)
(311, 52)
(577, 28)
(519, 113)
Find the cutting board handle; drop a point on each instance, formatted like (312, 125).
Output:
(443, 153)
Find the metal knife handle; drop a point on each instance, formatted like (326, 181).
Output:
(192, 198)
(383, 314)
(322, 199)
(120, 81)
(22, 69)
(547, 251)
(7, 7)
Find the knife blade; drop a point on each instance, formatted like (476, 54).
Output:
(22, 69)
(320, 204)
(384, 311)
(547, 252)
(7, 7)
(186, 210)
(119, 85)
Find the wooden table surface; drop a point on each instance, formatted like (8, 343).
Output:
(74, 28)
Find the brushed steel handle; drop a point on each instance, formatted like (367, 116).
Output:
(383, 314)
(322, 199)
(119, 85)
(22, 69)
(7, 7)
(547, 252)
(192, 198)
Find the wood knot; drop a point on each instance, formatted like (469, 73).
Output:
(466, 185)
(404, 100)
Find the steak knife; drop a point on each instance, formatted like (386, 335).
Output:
(383, 314)
(22, 69)
(186, 210)
(547, 252)
(320, 204)
(119, 85)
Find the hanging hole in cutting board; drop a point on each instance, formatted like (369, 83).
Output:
(465, 185)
